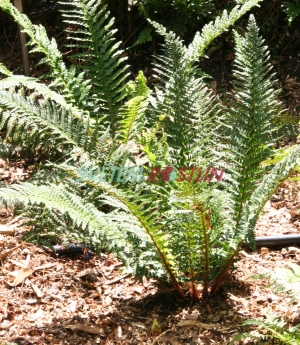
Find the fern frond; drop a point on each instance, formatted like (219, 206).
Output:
(25, 118)
(214, 29)
(286, 280)
(6, 150)
(250, 117)
(183, 103)
(263, 193)
(138, 87)
(32, 84)
(154, 145)
(4, 70)
(132, 118)
(197, 225)
(277, 329)
(291, 9)
(100, 56)
(137, 205)
(128, 241)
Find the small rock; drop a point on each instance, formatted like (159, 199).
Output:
(261, 299)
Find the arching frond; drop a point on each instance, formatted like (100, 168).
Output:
(214, 29)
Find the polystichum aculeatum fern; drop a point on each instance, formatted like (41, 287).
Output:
(189, 230)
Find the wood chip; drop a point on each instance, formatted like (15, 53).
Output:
(72, 306)
(164, 336)
(7, 230)
(18, 264)
(85, 272)
(31, 301)
(5, 253)
(37, 291)
(5, 325)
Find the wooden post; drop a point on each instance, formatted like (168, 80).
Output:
(18, 5)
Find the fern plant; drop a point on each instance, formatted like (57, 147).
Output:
(292, 9)
(283, 280)
(179, 220)
(277, 329)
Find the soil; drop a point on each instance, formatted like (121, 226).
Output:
(47, 298)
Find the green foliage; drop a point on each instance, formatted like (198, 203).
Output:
(99, 88)
(181, 15)
(144, 36)
(179, 221)
(132, 114)
(252, 112)
(283, 280)
(276, 329)
(292, 9)
(268, 25)
(98, 56)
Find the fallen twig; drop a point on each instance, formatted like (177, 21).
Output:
(196, 323)
(163, 335)
(110, 282)
(6, 252)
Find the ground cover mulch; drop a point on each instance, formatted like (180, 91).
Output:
(47, 298)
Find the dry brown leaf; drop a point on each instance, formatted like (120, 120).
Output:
(18, 264)
(193, 316)
(139, 325)
(31, 301)
(20, 276)
(119, 333)
(26, 262)
(14, 220)
(36, 315)
(107, 301)
(195, 323)
(113, 281)
(139, 289)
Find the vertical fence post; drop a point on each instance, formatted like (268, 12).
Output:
(18, 5)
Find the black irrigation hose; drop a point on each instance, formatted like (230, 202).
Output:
(277, 241)
(73, 249)
(261, 241)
